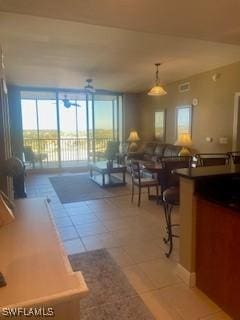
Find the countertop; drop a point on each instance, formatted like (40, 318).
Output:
(211, 171)
(218, 184)
(32, 260)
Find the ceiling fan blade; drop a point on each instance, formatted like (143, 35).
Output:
(76, 104)
(67, 103)
(89, 89)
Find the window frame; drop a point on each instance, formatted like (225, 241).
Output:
(158, 138)
(177, 124)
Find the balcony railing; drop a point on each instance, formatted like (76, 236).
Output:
(72, 150)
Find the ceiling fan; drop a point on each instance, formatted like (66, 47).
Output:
(89, 87)
(68, 103)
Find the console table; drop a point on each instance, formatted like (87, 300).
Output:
(35, 265)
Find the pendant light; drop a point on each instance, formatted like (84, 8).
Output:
(157, 90)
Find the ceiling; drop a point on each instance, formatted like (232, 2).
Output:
(116, 45)
(214, 20)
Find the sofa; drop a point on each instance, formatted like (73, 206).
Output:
(154, 151)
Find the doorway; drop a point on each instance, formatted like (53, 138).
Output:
(236, 123)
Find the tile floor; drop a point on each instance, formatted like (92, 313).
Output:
(133, 236)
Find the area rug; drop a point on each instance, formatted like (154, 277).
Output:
(110, 297)
(79, 187)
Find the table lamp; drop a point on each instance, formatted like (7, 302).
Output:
(184, 140)
(11, 167)
(133, 138)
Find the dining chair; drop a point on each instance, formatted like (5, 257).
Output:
(235, 156)
(141, 181)
(171, 194)
(29, 156)
(212, 159)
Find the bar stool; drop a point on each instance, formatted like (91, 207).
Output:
(170, 199)
(171, 195)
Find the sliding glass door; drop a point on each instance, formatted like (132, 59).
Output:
(40, 127)
(105, 122)
(69, 134)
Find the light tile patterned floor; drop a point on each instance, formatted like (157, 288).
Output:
(133, 236)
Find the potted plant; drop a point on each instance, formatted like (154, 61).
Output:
(111, 152)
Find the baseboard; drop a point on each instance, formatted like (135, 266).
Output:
(188, 277)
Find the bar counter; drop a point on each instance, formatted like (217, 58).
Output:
(213, 171)
(210, 233)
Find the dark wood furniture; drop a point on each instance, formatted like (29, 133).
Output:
(102, 173)
(235, 156)
(163, 171)
(210, 237)
(155, 168)
(141, 182)
(218, 254)
(212, 159)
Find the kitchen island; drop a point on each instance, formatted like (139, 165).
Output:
(210, 233)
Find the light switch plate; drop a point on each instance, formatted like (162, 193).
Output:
(195, 102)
(209, 139)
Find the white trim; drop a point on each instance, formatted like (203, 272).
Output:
(188, 277)
(236, 123)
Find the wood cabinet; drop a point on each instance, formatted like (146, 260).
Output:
(218, 254)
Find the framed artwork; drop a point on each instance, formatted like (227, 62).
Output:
(183, 120)
(159, 125)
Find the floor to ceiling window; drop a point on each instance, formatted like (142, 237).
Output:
(60, 134)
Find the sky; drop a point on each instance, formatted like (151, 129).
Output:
(48, 117)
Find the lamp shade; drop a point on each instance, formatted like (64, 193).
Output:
(184, 140)
(157, 91)
(133, 136)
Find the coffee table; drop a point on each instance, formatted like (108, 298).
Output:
(102, 174)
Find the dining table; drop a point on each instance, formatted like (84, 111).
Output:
(156, 168)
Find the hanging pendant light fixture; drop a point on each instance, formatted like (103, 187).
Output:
(157, 90)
